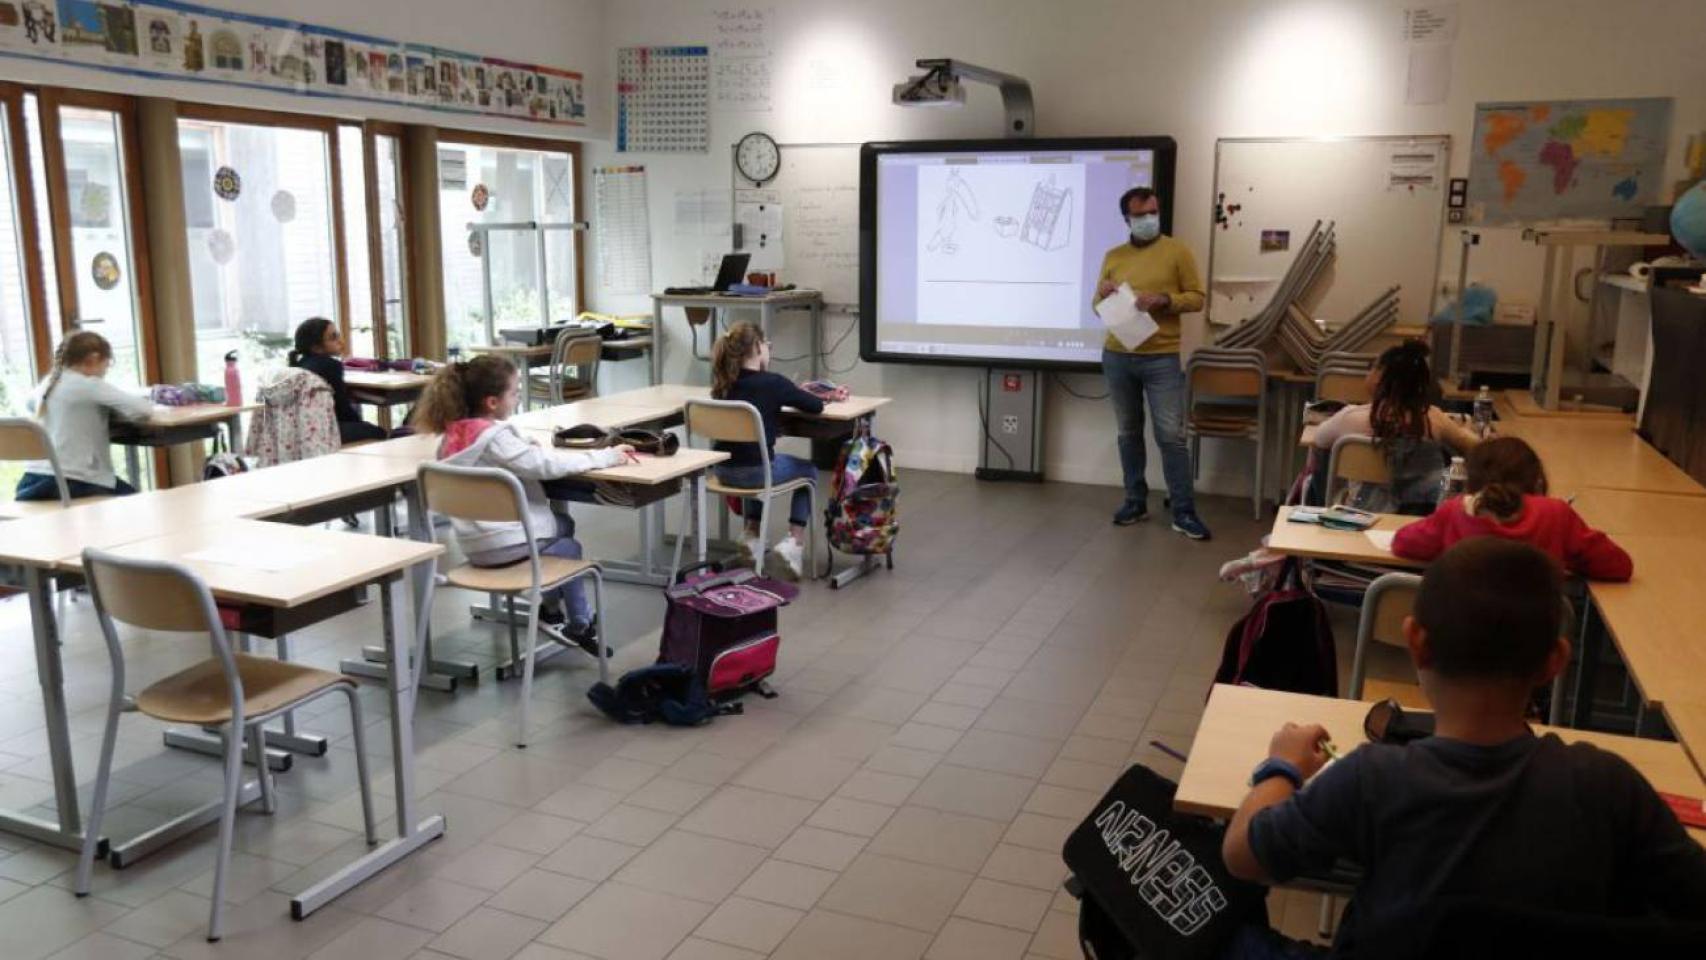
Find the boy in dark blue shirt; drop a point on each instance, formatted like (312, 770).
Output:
(1483, 810)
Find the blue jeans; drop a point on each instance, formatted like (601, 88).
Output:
(1260, 943)
(571, 594)
(41, 486)
(782, 469)
(1159, 377)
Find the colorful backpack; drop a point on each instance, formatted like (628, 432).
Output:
(860, 517)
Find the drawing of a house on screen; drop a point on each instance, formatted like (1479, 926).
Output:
(1048, 222)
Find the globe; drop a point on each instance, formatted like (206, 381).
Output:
(1688, 220)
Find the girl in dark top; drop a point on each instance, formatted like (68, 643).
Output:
(739, 371)
(319, 347)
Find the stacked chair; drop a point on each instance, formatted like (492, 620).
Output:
(1284, 321)
(1226, 397)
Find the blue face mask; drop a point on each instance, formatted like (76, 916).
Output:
(1144, 228)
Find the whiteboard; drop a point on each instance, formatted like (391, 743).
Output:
(1387, 234)
(818, 188)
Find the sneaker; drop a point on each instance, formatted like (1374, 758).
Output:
(1131, 512)
(793, 558)
(585, 636)
(1188, 523)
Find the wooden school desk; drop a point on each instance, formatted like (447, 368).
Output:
(1319, 543)
(1581, 453)
(36, 545)
(1654, 620)
(607, 412)
(170, 426)
(1624, 512)
(525, 357)
(281, 566)
(1688, 722)
(1239, 721)
(384, 389)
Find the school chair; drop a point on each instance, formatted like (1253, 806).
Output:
(1343, 377)
(296, 420)
(230, 691)
(22, 438)
(1355, 459)
(1387, 602)
(731, 421)
(573, 373)
(1226, 398)
(494, 495)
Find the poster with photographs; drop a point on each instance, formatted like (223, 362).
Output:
(160, 32)
(93, 32)
(170, 39)
(565, 95)
(29, 27)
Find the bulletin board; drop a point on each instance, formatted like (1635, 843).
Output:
(1386, 195)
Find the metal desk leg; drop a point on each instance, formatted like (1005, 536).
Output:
(400, 690)
(443, 674)
(1588, 670)
(234, 431)
(655, 366)
(67, 833)
(133, 465)
(817, 336)
(699, 508)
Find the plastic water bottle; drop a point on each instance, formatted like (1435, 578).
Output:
(1483, 411)
(233, 381)
(1453, 481)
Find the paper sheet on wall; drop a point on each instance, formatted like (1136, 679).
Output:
(663, 102)
(1429, 78)
(276, 557)
(741, 44)
(623, 230)
(760, 224)
(1129, 325)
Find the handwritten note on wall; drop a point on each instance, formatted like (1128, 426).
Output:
(741, 45)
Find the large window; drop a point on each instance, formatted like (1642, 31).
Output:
(259, 203)
(505, 212)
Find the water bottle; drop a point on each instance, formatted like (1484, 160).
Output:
(233, 381)
(1483, 412)
(1453, 481)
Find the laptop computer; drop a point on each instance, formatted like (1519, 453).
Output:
(730, 272)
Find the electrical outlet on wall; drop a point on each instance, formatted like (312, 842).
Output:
(1010, 423)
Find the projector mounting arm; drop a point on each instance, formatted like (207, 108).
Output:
(1015, 91)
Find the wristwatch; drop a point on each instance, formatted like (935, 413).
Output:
(1275, 767)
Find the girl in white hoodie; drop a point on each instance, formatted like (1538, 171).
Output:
(469, 403)
(76, 403)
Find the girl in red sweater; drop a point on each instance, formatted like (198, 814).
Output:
(1507, 498)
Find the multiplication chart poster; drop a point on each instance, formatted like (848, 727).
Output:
(663, 100)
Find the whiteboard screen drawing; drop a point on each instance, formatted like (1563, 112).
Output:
(998, 246)
(988, 251)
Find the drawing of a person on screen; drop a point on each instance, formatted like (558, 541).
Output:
(1162, 276)
(957, 199)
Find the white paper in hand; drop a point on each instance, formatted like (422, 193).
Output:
(1129, 325)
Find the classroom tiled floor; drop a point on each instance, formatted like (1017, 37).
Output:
(940, 730)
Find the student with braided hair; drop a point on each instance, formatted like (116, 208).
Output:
(75, 403)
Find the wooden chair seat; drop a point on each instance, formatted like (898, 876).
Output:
(198, 695)
(1408, 695)
(516, 577)
(722, 489)
(20, 509)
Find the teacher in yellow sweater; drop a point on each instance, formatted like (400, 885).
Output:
(1163, 275)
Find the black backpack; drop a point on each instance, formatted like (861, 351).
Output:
(1285, 642)
(670, 692)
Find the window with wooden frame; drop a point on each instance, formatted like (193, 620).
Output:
(262, 204)
(376, 239)
(507, 206)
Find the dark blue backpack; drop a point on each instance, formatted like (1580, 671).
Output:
(670, 692)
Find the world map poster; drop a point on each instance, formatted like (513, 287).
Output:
(1566, 159)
